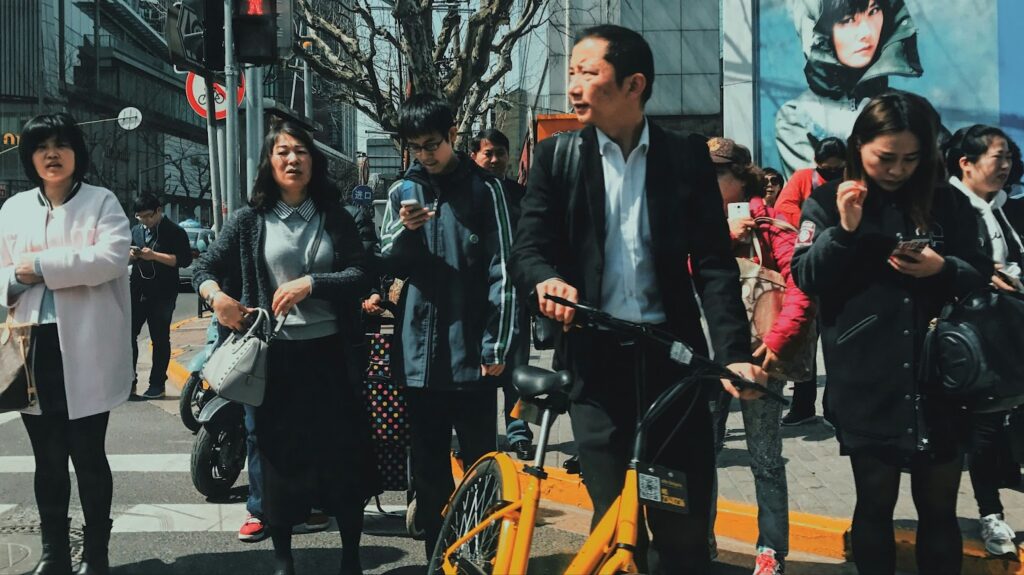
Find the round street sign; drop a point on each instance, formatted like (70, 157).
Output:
(195, 91)
(129, 118)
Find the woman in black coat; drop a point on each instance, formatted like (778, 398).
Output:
(876, 300)
(313, 433)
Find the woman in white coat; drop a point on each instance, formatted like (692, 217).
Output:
(64, 268)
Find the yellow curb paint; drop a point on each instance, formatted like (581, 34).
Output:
(184, 322)
(976, 560)
(177, 374)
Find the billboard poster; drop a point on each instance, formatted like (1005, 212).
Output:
(818, 62)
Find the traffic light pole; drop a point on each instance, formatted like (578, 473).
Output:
(251, 118)
(211, 135)
(231, 144)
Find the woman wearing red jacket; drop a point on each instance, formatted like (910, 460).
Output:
(738, 179)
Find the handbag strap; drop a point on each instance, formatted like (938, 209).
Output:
(315, 247)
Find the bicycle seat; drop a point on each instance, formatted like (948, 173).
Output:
(533, 381)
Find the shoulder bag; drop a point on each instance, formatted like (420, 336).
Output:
(237, 369)
(973, 350)
(763, 290)
(17, 386)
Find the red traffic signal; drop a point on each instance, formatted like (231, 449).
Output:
(254, 8)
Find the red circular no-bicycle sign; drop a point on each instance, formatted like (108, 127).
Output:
(195, 91)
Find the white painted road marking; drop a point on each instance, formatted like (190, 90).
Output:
(5, 508)
(139, 463)
(9, 416)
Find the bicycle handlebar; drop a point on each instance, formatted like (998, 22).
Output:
(679, 352)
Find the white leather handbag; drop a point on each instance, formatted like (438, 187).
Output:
(237, 369)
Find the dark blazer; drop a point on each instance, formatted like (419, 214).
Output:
(170, 239)
(561, 234)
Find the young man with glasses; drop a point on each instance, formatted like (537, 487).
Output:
(447, 230)
(159, 248)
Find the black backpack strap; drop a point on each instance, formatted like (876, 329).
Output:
(566, 164)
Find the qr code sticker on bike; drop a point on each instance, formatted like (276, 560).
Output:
(650, 487)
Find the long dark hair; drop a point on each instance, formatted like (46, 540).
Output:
(891, 113)
(266, 193)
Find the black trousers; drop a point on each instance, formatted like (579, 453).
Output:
(990, 458)
(157, 313)
(604, 419)
(55, 438)
(432, 416)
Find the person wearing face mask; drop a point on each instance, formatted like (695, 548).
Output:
(875, 301)
(979, 160)
(830, 160)
(852, 47)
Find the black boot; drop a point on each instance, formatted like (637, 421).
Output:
(56, 557)
(95, 560)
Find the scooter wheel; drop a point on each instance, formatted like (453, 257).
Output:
(193, 398)
(218, 456)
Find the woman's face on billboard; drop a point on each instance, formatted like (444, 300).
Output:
(856, 36)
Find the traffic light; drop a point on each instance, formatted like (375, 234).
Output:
(195, 35)
(255, 31)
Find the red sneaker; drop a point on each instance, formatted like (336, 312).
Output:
(252, 530)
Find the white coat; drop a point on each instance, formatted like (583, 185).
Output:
(82, 248)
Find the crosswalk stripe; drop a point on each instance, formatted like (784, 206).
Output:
(9, 416)
(141, 463)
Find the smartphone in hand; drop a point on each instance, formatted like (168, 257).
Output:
(412, 203)
(916, 246)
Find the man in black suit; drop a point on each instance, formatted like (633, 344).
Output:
(627, 233)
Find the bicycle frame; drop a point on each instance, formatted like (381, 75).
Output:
(608, 550)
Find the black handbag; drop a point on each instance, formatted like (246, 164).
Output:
(974, 349)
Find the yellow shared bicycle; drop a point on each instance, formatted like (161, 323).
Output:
(489, 521)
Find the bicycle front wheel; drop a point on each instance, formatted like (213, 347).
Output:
(489, 484)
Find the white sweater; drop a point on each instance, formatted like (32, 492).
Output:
(82, 248)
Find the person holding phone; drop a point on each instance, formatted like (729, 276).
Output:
(751, 220)
(447, 230)
(978, 159)
(159, 249)
(875, 303)
(313, 435)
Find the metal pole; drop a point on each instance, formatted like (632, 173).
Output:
(222, 142)
(307, 83)
(211, 143)
(258, 134)
(96, 41)
(251, 117)
(231, 145)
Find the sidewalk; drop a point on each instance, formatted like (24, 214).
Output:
(821, 490)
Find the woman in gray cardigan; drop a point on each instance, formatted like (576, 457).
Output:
(314, 438)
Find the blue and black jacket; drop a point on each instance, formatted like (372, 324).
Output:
(457, 310)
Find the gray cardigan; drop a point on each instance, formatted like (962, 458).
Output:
(236, 262)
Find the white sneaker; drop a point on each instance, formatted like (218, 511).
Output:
(998, 536)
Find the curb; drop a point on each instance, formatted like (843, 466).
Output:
(808, 533)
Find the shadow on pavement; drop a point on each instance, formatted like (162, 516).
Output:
(257, 562)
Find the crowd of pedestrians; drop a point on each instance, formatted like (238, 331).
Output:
(648, 224)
